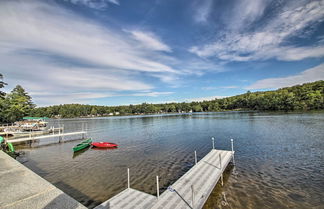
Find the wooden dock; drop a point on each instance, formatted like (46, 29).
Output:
(190, 191)
(32, 138)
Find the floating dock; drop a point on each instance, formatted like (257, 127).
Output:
(22, 188)
(190, 191)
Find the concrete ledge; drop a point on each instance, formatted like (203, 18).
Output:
(22, 188)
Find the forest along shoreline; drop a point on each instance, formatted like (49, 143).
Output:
(309, 96)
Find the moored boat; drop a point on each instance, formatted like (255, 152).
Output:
(104, 144)
(82, 145)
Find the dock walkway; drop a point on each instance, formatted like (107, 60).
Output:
(190, 191)
(31, 138)
(22, 188)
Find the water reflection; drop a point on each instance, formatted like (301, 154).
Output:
(80, 152)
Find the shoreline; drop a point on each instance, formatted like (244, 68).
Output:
(188, 113)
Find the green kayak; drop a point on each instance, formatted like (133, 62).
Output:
(82, 145)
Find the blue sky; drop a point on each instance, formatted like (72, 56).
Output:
(116, 52)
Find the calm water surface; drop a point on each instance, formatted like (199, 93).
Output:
(279, 157)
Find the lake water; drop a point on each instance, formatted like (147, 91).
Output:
(279, 157)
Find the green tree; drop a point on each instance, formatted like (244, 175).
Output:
(93, 111)
(17, 104)
(2, 100)
(308, 96)
(197, 108)
(2, 84)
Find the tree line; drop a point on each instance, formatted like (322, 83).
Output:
(309, 96)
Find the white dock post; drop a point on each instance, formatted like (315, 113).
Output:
(83, 131)
(232, 145)
(213, 140)
(195, 157)
(192, 196)
(157, 187)
(128, 183)
(63, 132)
(86, 130)
(220, 165)
(59, 134)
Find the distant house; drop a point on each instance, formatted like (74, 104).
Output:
(117, 113)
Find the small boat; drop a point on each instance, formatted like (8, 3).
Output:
(104, 144)
(82, 145)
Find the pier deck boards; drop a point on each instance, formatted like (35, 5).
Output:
(45, 136)
(203, 177)
(129, 199)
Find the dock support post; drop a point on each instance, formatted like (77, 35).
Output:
(157, 187)
(221, 168)
(192, 196)
(128, 183)
(59, 134)
(195, 157)
(86, 130)
(232, 145)
(213, 141)
(82, 135)
(222, 181)
(63, 132)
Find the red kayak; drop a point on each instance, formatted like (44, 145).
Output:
(104, 144)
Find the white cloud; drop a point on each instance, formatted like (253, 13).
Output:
(270, 40)
(152, 94)
(309, 75)
(246, 12)
(150, 40)
(94, 4)
(299, 53)
(219, 87)
(43, 45)
(48, 98)
(202, 10)
(200, 99)
(31, 26)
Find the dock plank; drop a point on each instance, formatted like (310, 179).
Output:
(129, 199)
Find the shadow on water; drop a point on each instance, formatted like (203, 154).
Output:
(104, 148)
(76, 194)
(61, 201)
(80, 152)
